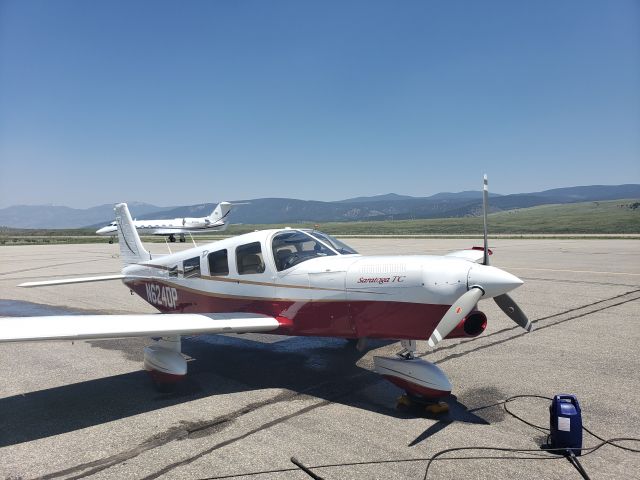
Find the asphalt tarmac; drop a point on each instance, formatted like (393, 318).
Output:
(251, 402)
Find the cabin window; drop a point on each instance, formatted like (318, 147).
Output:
(218, 263)
(249, 258)
(191, 267)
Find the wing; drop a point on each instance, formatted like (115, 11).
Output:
(66, 281)
(79, 327)
(169, 231)
(475, 254)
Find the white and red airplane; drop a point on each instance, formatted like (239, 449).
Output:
(215, 222)
(291, 282)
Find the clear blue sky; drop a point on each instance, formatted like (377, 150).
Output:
(175, 103)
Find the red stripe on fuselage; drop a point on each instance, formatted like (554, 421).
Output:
(348, 319)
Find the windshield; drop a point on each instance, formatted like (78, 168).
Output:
(339, 246)
(293, 247)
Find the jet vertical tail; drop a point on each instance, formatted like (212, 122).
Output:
(131, 249)
(220, 214)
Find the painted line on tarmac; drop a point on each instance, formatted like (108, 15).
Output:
(572, 271)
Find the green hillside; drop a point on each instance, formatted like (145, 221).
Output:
(616, 216)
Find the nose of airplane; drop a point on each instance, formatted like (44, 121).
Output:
(105, 230)
(492, 280)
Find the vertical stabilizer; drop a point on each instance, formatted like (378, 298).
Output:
(220, 214)
(131, 249)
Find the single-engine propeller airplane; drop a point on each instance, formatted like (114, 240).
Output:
(177, 226)
(291, 282)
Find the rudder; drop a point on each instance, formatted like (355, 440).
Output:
(131, 248)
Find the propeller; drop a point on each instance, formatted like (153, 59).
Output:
(460, 309)
(468, 300)
(485, 208)
(512, 310)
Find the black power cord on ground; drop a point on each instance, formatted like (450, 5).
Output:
(528, 454)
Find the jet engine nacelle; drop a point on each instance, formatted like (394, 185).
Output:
(471, 326)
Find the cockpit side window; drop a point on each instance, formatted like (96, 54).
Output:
(249, 258)
(294, 247)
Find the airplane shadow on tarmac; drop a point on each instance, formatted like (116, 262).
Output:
(317, 367)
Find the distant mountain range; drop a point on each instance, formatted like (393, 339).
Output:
(287, 210)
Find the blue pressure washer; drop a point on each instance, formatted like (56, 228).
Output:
(565, 422)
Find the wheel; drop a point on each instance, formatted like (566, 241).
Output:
(172, 239)
(437, 408)
(403, 403)
(110, 241)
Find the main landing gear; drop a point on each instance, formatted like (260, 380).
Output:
(172, 238)
(423, 382)
(165, 363)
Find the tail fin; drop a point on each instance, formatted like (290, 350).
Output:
(220, 214)
(131, 249)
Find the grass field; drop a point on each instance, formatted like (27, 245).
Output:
(590, 218)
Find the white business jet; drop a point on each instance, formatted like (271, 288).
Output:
(178, 226)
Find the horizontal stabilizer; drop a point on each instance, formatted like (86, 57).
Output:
(80, 327)
(473, 255)
(65, 281)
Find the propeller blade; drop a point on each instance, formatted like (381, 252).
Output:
(508, 306)
(455, 314)
(485, 208)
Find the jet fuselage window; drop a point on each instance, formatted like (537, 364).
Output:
(191, 267)
(294, 247)
(218, 263)
(249, 258)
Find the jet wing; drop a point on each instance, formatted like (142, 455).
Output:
(475, 254)
(170, 231)
(79, 327)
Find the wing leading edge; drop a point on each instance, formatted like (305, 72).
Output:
(79, 327)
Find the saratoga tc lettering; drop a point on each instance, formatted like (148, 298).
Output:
(381, 280)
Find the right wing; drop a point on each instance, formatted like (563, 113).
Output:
(79, 327)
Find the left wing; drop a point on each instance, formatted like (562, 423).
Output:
(66, 281)
(79, 327)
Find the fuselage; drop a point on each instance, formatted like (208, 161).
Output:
(174, 226)
(311, 286)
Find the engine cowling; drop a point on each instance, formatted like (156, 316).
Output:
(471, 326)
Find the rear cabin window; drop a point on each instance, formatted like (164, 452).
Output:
(218, 263)
(191, 267)
(249, 258)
